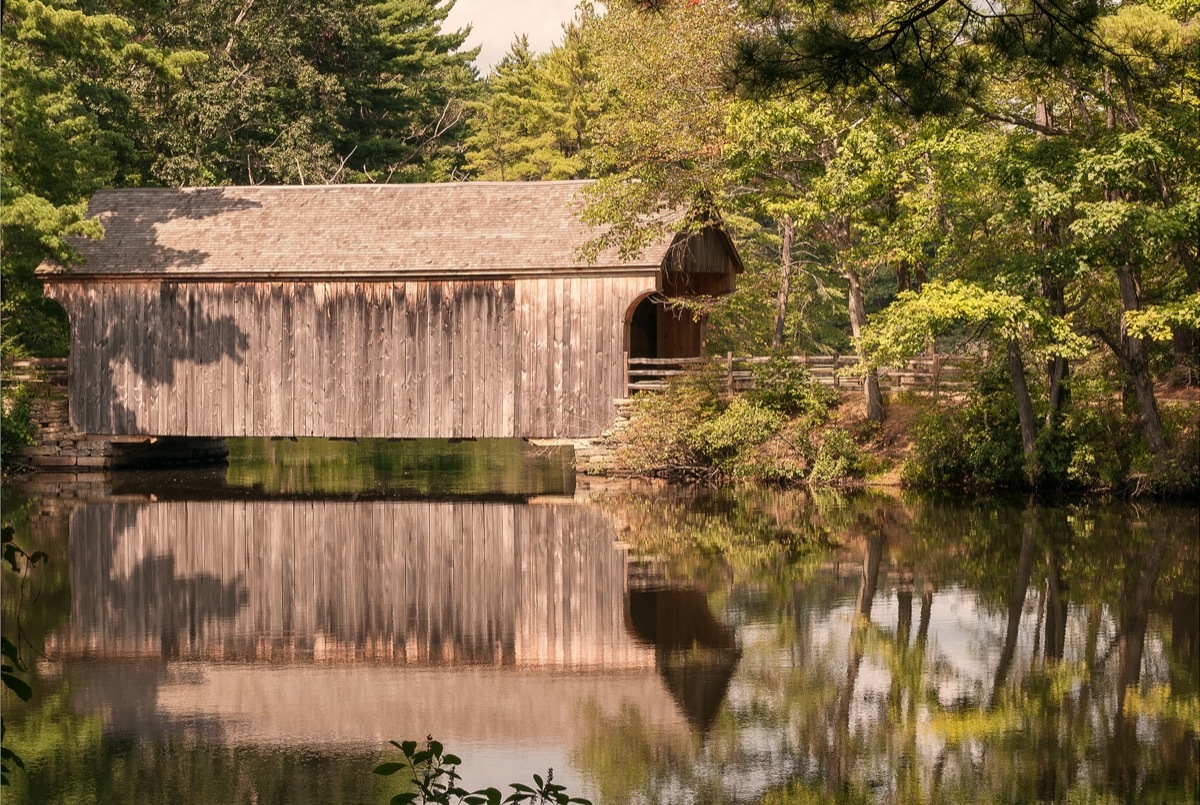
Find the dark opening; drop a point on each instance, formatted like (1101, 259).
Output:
(643, 331)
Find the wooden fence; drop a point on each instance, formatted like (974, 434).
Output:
(927, 373)
(32, 370)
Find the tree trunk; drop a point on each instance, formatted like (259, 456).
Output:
(1016, 605)
(785, 281)
(1059, 369)
(1016, 368)
(858, 320)
(1134, 353)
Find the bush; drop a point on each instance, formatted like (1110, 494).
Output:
(661, 436)
(16, 428)
(788, 388)
(837, 459)
(734, 433)
(972, 444)
(1181, 429)
(433, 779)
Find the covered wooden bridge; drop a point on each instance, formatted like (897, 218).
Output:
(438, 311)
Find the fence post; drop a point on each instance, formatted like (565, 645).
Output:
(837, 381)
(729, 371)
(625, 372)
(937, 373)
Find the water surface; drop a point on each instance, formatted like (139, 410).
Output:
(259, 633)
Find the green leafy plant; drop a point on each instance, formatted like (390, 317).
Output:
(789, 388)
(726, 439)
(434, 774)
(19, 562)
(837, 459)
(16, 427)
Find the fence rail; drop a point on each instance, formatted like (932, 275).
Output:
(931, 373)
(34, 370)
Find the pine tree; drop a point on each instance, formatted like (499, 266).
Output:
(407, 104)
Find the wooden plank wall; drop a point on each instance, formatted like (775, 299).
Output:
(528, 358)
(401, 582)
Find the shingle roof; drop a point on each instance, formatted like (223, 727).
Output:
(495, 228)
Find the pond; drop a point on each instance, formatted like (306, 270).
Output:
(258, 633)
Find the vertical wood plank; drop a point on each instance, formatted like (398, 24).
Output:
(568, 392)
(474, 381)
(433, 361)
(232, 390)
(284, 343)
(401, 368)
(480, 352)
(271, 391)
(451, 362)
(458, 329)
(235, 421)
(85, 356)
(521, 340)
(543, 324)
(74, 300)
(350, 403)
(417, 407)
(304, 312)
(493, 360)
(381, 358)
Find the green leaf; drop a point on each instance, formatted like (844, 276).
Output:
(18, 686)
(452, 760)
(404, 799)
(408, 747)
(435, 747)
(389, 768)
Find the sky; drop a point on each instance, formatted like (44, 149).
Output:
(494, 23)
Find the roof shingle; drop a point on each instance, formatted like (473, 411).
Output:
(490, 228)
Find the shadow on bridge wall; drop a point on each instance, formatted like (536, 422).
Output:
(130, 325)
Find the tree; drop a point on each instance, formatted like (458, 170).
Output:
(407, 104)
(66, 130)
(658, 145)
(1106, 94)
(328, 91)
(514, 125)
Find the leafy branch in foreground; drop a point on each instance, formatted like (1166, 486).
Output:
(434, 774)
(19, 562)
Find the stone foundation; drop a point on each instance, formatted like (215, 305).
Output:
(60, 448)
(598, 456)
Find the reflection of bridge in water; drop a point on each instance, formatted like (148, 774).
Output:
(275, 606)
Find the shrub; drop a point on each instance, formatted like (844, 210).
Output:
(1181, 429)
(661, 436)
(734, 433)
(837, 459)
(972, 444)
(16, 428)
(788, 388)
(433, 779)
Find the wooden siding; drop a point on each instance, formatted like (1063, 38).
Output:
(528, 357)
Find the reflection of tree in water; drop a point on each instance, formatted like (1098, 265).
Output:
(1034, 706)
